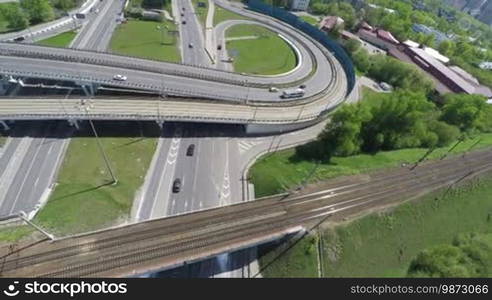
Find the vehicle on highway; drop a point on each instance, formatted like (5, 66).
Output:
(177, 185)
(294, 93)
(183, 22)
(19, 39)
(273, 89)
(190, 45)
(219, 47)
(182, 14)
(190, 150)
(302, 86)
(119, 77)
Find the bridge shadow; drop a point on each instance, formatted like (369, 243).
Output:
(239, 263)
(124, 129)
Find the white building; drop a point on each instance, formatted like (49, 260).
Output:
(299, 4)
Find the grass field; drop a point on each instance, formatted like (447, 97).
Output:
(383, 244)
(3, 139)
(60, 40)
(81, 201)
(142, 39)
(221, 15)
(267, 54)
(13, 234)
(311, 20)
(279, 171)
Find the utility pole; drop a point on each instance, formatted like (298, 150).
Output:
(106, 160)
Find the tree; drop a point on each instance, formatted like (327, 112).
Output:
(442, 261)
(352, 45)
(341, 136)
(63, 4)
(468, 256)
(38, 10)
(361, 60)
(447, 47)
(154, 3)
(467, 112)
(15, 17)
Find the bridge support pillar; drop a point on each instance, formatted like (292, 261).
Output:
(5, 125)
(160, 123)
(74, 123)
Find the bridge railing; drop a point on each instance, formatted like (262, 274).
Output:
(312, 31)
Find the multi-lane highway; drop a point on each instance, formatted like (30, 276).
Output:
(191, 34)
(167, 242)
(96, 33)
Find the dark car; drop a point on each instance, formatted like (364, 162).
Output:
(190, 150)
(302, 86)
(177, 185)
(184, 22)
(19, 39)
(219, 47)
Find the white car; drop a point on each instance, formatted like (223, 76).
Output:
(273, 89)
(119, 77)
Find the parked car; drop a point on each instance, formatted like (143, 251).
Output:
(177, 185)
(190, 150)
(119, 77)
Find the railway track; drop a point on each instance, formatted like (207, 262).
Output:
(174, 239)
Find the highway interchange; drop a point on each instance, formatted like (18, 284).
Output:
(214, 175)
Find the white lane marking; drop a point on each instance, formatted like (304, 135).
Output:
(26, 175)
(161, 177)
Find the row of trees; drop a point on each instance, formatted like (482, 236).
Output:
(468, 256)
(20, 15)
(403, 119)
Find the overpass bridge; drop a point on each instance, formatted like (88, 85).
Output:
(169, 242)
(188, 93)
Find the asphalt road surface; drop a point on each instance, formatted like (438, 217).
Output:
(29, 163)
(96, 33)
